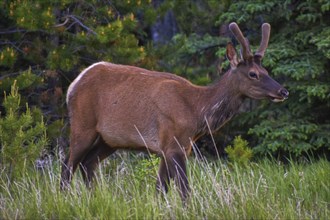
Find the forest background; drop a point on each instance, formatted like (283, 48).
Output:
(44, 45)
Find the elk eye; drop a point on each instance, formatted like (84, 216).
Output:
(253, 75)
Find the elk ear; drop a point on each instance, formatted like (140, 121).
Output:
(232, 55)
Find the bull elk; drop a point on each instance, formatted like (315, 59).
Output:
(125, 107)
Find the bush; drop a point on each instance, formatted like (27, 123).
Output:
(240, 151)
(22, 134)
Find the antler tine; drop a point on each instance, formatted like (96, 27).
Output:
(264, 40)
(239, 36)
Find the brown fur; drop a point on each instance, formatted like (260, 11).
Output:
(125, 107)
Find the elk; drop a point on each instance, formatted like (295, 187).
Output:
(125, 107)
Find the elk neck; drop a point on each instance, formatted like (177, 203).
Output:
(219, 103)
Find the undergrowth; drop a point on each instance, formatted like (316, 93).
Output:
(263, 190)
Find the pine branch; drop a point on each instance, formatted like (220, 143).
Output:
(76, 21)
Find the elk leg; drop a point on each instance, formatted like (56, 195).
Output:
(80, 144)
(163, 177)
(178, 172)
(176, 166)
(99, 152)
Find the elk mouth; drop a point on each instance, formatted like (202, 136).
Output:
(280, 97)
(276, 99)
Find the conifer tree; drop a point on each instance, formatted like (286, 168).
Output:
(22, 135)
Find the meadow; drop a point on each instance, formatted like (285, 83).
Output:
(125, 189)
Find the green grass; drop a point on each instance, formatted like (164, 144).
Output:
(263, 190)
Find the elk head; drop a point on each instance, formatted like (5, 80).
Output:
(257, 83)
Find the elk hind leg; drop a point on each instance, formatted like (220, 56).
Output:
(80, 144)
(99, 152)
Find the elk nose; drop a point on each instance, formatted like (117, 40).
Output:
(284, 93)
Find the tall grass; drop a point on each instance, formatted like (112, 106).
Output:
(263, 190)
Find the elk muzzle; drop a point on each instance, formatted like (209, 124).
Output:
(282, 94)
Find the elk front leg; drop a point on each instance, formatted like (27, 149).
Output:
(175, 165)
(163, 177)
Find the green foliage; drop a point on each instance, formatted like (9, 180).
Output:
(193, 52)
(240, 152)
(147, 168)
(32, 15)
(61, 58)
(293, 134)
(198, 17)
(24, 80)
(322, 41)
(22, 135)
(8, 57)
(64, 34)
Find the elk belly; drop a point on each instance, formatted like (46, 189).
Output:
(130, 138)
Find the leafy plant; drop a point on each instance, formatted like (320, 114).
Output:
(22, 134)
(147, 168)
(240, 152)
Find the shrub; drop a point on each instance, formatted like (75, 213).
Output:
(240, 151)
(22, 134)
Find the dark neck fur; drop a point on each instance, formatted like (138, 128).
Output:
(224, 102)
